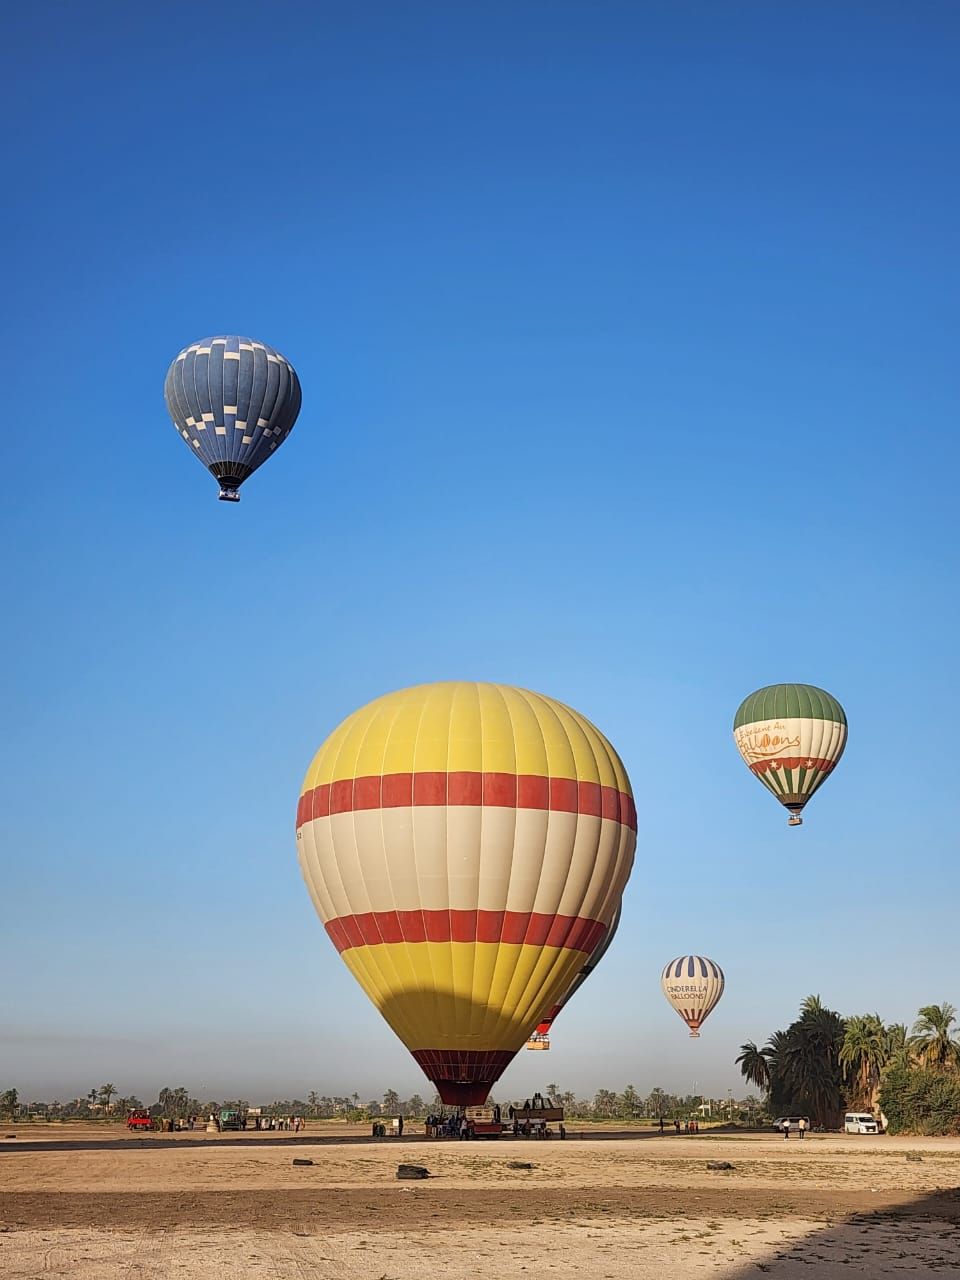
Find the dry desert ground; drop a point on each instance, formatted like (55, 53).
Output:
(99, 1204)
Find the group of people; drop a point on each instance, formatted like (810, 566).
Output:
(453, 1126)
(688, 1126)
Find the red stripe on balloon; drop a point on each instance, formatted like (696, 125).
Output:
(792, 762)
(496, 790)
(372, 928)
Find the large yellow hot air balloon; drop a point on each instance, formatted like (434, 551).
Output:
(693, 985)
(466, 847)
(791, 737)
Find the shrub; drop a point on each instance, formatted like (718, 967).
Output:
(921, 1100)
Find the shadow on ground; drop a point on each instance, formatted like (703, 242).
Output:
(919, 1236)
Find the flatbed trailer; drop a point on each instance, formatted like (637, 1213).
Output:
(483, 1122)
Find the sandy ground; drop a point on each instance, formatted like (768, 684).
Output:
(98, 1205)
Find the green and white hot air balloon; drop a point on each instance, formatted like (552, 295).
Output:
(791, 737)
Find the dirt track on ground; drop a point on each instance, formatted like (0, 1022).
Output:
(831, 1206)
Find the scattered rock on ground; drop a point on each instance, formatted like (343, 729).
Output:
(719, 1164)
(915, 1157)
(410, 1171)
(297, 1160)
(520, 1164)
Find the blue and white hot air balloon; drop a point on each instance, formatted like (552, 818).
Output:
(234, 401)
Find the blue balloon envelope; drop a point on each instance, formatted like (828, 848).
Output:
(234, 401)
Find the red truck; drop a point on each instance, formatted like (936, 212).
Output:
(139, 1119)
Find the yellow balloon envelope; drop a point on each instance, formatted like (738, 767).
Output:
(466, 847)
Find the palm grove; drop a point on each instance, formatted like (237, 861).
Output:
(823, 1065)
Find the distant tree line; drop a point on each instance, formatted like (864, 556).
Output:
(105, 1102)
(823, 1065)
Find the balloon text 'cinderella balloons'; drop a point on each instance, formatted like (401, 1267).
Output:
(466, 847)
(791, 737)
(234, 401)
(693, 985)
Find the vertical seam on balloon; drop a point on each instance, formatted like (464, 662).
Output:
(218, 440)
(244, 362)
(201, 435)
(534, 997)
(391, 974)
(385, 962)
(310, 861)
(231, 373)
(491, 1024)
(263, 412)
(818, 754)
(494, 1025)
(255, 411)
(209, 437)
(216, 401)
(474, 1030)
(177, 410)
(279, 404)
(334, 770)
(502, 1025)
(258, 393)
(429, 994)
(536, 708)
(610, 877)
(273, 374)
(448, 946)
(497, 1027)
(221, 456)
(627, 837)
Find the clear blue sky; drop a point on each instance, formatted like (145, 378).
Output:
(628, 336)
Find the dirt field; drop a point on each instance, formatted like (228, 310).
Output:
(101, 1205)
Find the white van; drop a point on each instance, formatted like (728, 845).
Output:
(859, 1122)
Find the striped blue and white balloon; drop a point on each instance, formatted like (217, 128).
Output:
(234, 401)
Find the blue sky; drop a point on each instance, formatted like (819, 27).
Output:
(628, 337)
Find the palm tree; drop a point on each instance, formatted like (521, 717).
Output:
(106, 1092)
(863, 1055)
(754, 1066)
(930, 1038)
(802, 1064)
(898, 1048)
(605, 1103)
(630, 1102)
(656, 1103)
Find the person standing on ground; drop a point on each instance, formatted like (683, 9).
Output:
(786, 1130)
(677, 1125)
(400, 1126)
(661, 1124)
(803, 1127)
